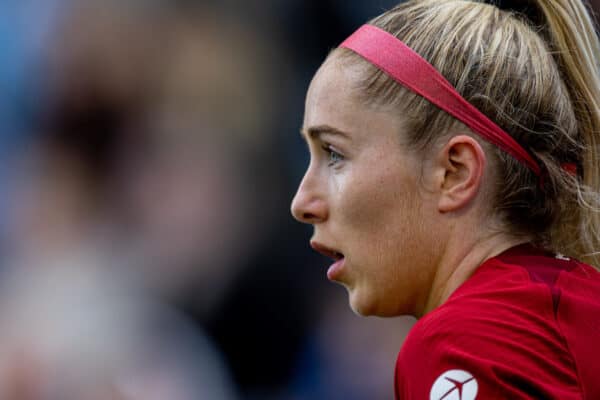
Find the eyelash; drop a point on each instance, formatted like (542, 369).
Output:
(334, 156)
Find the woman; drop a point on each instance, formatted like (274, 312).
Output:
(454, 176)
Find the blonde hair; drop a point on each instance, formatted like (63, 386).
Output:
(537, 78)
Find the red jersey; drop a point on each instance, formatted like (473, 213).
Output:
(526, 325)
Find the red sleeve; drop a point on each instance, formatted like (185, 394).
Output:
(487, 349)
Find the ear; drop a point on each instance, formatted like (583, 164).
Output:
(461, 164)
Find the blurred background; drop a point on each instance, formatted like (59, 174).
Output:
(149, 151)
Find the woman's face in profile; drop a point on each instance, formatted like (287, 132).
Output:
(361, 194)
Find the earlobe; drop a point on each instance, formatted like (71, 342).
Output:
(462, 161)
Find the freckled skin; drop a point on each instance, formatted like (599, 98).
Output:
(368, 206)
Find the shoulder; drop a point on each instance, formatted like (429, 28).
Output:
(497, 335)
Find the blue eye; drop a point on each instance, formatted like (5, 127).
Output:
(334, 156)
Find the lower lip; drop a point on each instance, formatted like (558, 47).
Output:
(335, 270)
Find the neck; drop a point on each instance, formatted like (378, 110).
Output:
(458, 262)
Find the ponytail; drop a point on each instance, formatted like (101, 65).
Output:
(570, 33)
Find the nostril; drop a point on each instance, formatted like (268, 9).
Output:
(308, 217)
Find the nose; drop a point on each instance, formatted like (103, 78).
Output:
(309, 205)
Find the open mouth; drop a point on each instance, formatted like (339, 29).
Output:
(335, 271)
(326, 251)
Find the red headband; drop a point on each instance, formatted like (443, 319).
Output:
(409, 69)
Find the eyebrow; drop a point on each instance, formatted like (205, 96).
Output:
(319, 130)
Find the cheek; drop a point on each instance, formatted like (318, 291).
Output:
(381, 207)
(383, 228)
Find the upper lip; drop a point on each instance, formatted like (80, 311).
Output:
(326, 251)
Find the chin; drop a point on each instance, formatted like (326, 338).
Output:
(362, 305)
(366, 305)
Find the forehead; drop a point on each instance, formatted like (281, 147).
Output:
(334, 99)
(333, 84)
